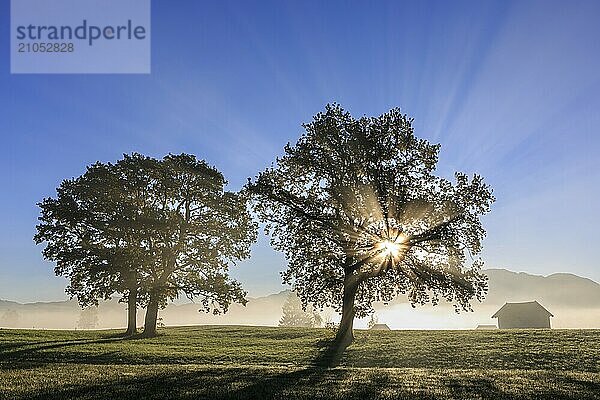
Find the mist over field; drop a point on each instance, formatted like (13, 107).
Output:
(574, 301)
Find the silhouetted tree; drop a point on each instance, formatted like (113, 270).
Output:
(93, 230)
(294, 315)
(88, 318)
(196, 230)
(360, 217)
(150, 230)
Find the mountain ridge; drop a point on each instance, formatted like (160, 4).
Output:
(282, 292)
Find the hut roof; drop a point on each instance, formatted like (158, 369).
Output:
(380, 327)
(525, 307)
(486, 326)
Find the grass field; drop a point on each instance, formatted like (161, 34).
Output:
(275, 363)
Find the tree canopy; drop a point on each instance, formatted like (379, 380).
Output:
(196, 230)
(92, 230)
(357, 210)
(150, 229)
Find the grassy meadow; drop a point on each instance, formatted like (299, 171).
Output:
(231, 362)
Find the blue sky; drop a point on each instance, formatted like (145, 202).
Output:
(510, 89)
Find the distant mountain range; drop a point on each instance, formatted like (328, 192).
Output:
(575, 302)
(562, 290)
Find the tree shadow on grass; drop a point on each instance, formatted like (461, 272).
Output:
(47, 352)
(330, 354)
(104, 337)
(317, 381)
(32, 354)
(220, 384)
(487, 388)
(268, 383)
(320, 380)
(475, 388)
(592, 387)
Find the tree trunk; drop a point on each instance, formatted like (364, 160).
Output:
(132, 306)
(345, 336)
(151, 317)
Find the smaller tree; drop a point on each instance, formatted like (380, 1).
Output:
(372, 321)
(294, 315)
(10, 319)
(88, 318)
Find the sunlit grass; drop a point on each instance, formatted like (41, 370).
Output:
(246, 362)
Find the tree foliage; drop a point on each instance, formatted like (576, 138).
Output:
(167, 223)
(91, 229)
(196, 230)
(357, 210)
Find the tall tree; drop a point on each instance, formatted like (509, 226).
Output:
(92, 232)
(360, 216)
(196, 230)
